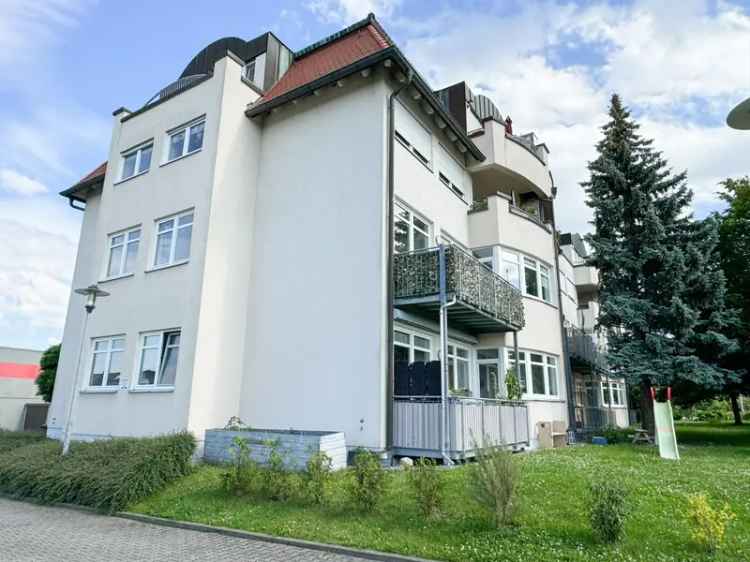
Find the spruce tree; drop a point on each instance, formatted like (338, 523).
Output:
(662, 301)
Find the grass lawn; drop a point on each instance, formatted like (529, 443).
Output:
(552, 524)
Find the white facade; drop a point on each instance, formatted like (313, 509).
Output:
(275, 311)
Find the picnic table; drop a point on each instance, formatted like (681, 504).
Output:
(642, 436)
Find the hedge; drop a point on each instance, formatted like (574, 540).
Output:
(108, 475)
(10, 440)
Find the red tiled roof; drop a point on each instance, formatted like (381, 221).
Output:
(100, 170)
(18, 371)
(333, 56)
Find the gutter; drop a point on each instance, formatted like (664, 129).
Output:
(390, 368)
(566, 352)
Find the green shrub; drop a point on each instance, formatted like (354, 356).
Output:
(317, 477)
(607, 510)
(367, 485)
(10, 440)
(242, 477)
(428, 487)
(107, 475)
(512, 384)
(277, 483)
(615, 434)
(493, 482)
(708, 525)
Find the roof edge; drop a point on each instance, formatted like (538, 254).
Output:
(370, 19)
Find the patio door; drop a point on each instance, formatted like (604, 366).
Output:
(488, 361)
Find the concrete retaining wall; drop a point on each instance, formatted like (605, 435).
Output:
(296, 447)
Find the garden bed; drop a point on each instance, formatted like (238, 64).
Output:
(295, 447)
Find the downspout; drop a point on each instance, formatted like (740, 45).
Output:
(569, 382)
(444, 305)
(390, 368)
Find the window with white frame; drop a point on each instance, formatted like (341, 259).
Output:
(136, 161)
(411, 348)
(173, 236)
(185, 140)
(613, 393)
(410, 232)
(106, 362)
(458, 368)
(122, 252)
(537, 373)
(414, 136)
(510, 268)
(450, 172)
(537, 277)
(157, 358)
(484, 255)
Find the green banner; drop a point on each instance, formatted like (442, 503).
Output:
(665, 435)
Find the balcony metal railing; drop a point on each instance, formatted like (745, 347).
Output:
(583, 348)
(471, 423)
(417, 275)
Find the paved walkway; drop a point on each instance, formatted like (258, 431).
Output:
(31, 532)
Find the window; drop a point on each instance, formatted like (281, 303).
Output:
(106, 362)
(249, 71)
(173, 239)
(136, 161)
(531, 283)
(411, 348)
(542, 368)
(159, 352)
(510, 270)
(185, 141)
(614, 392)
(123, 249)
(484, 255)
(537, 277)
(450, 172)
(458, 368)
(409, 231)
(412, 134)
(521, 368)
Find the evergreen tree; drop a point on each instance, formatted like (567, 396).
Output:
(661, 296)
(734, 249)
(45, 381)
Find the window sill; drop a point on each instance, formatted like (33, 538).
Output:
(168, 162)
(542, 398)
(149, 389)
(167, 266)
(538, 299)
(103, 390)
(139, 174)
(116, 277)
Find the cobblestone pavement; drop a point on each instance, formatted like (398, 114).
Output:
(31, 532)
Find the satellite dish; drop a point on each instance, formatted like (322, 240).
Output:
(739, 117)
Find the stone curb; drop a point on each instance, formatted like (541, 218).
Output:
(299, 543)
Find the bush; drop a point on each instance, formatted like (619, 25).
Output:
(493, 482)
(512, 384)
(607, 510)
(708, 525)
(242, 476)
(317, 477)
(10, 440)
(45, 381)
(615, 434)
(277, 483)
(107, 475)
(367, 485)
(428, 487)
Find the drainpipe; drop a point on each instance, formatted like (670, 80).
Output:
(566, 352)
(390, 368)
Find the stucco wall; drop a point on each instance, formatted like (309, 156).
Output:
(315, 350)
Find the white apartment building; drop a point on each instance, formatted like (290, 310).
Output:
(599, 396)
(297, 239)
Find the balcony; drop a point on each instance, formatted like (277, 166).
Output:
(471, 423)
(484, 301)
(585, 354)
(586, 277)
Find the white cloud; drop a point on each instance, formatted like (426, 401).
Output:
(348, 11)
(13, 182)
(29, 27)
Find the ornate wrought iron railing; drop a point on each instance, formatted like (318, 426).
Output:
(417, 275)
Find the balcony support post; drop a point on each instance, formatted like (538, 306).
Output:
(444, 304)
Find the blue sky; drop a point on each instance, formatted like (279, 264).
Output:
(551, 65)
